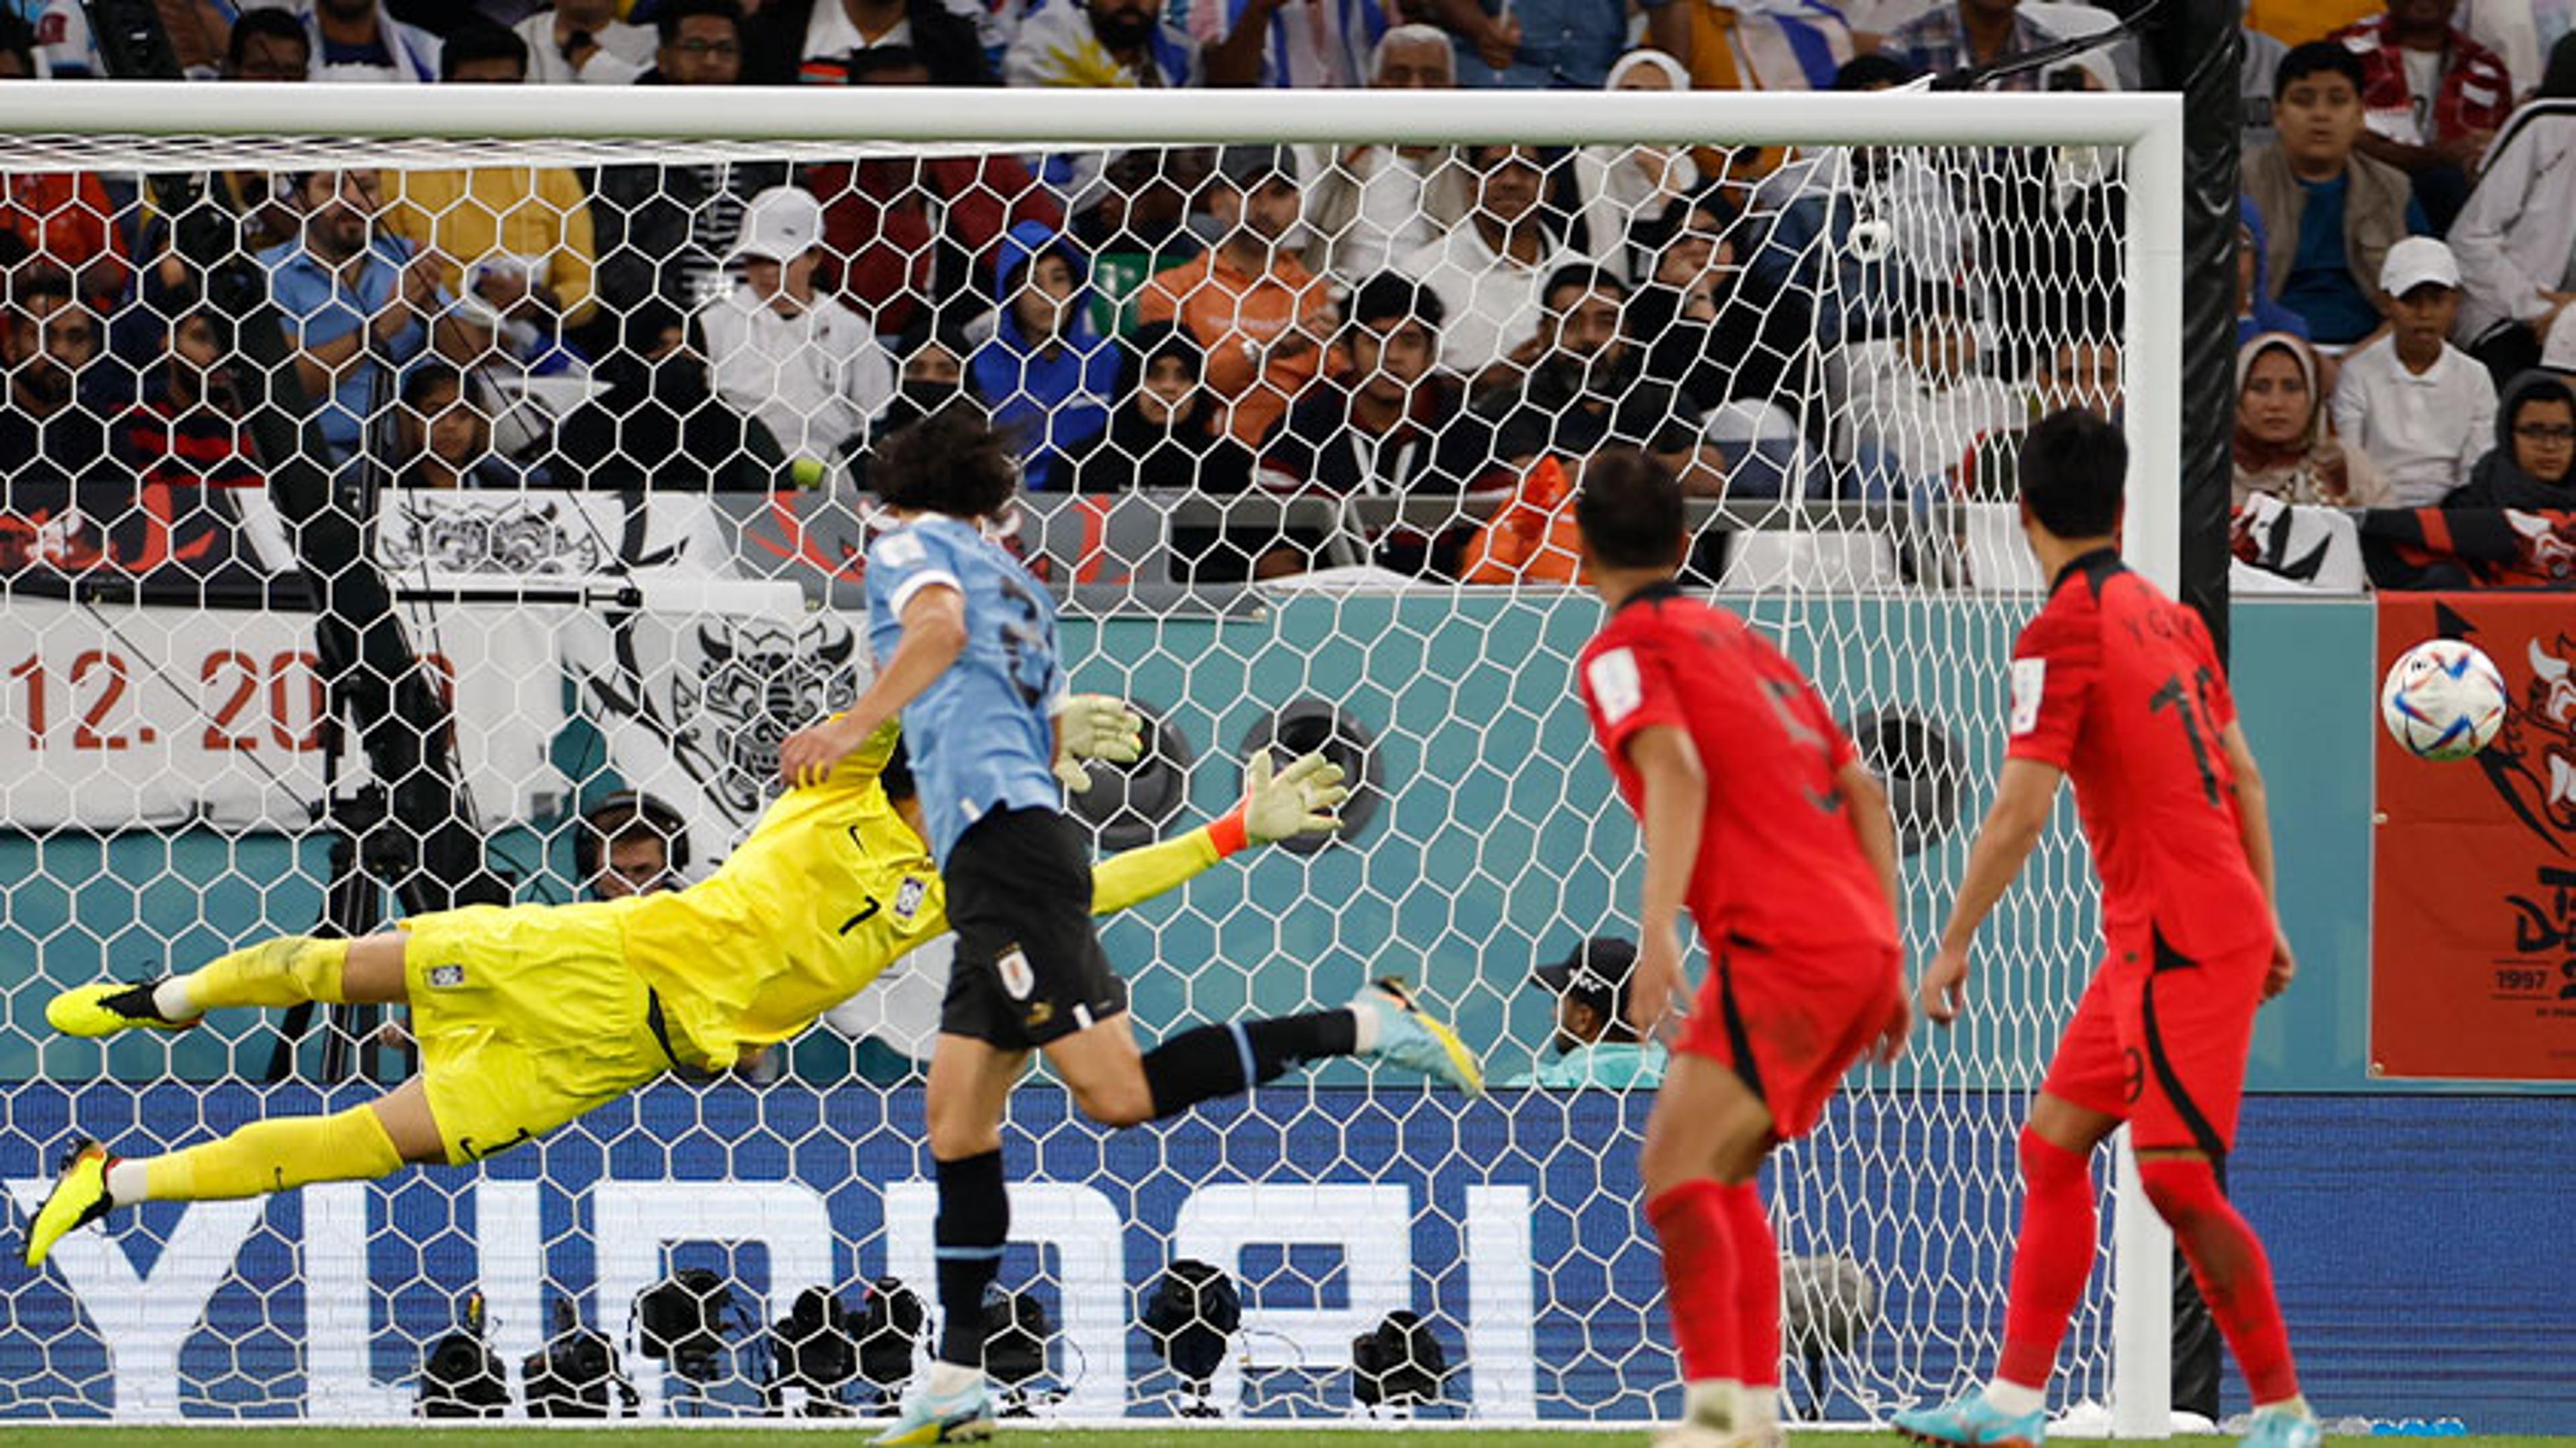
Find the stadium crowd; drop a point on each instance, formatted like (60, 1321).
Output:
(1374, 321)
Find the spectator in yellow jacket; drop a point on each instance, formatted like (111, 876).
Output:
(518, 237)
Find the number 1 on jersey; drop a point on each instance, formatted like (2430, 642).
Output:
(2193, 709)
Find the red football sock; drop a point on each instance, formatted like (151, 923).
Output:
(1699, 1277)
(2051, 1258)
(1757, 1284)
(2227, 1260)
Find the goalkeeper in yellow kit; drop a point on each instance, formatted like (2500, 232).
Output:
(530, 1015)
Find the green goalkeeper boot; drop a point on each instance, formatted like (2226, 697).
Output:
(79, 1198)
(109, 1007)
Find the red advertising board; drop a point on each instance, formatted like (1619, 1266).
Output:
(2473, 938)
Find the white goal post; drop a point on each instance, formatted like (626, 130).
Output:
(152, 126)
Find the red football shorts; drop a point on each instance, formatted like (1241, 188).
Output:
(2160, 1041)
(1789, 1022)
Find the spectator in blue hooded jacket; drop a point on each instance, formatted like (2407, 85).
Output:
(1047, 375)
(2256, 312)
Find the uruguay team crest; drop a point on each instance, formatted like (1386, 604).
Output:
(1017, 978)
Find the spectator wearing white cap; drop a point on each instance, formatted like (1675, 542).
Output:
(2420, 408)
(801, 364)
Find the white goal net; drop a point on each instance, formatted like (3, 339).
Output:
(413, 493)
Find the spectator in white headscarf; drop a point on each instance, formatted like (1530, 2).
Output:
(1622, 185)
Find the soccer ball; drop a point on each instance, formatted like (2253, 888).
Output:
(2443, 699)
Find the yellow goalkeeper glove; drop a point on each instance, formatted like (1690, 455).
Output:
(1298, 800)
(1095, 726)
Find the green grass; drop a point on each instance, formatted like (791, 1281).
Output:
(1157, 1437)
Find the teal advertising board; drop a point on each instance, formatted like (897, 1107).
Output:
(1492, 843)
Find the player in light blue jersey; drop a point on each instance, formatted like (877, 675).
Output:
(982, 733)
(965, 644)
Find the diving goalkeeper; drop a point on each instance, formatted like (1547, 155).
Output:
(530, 1015)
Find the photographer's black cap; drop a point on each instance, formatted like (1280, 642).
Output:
(1596, 973)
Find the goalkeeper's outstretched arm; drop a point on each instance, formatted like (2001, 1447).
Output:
(1298, 800)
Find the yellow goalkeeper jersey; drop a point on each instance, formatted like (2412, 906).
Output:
(830, 889)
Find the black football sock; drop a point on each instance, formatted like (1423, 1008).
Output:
(974, 1221)
(1211, 1061)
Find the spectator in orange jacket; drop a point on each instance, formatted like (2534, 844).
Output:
(1263, 318)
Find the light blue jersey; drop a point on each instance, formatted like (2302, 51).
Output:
(982, 736)
(1615, 1065)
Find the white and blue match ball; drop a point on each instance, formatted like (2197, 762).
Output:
(2443, 699)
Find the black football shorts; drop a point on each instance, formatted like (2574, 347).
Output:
(1029, 967)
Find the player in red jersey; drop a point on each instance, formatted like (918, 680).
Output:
(2119, 687)
(1759, 816)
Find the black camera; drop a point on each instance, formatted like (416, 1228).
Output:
(575, 1374)
(813, 1348)
(1397, 1364)
(681, 1320)
(1016, 1333)
(891, 1322)
(461, 1378)
(1193, 1313)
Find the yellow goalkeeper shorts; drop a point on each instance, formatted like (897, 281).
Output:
(527, 1016)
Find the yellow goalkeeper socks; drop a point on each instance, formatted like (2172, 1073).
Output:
(288, 970)
(274, 1156)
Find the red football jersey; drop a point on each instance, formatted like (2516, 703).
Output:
(2120, 687)
(1778, 861)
